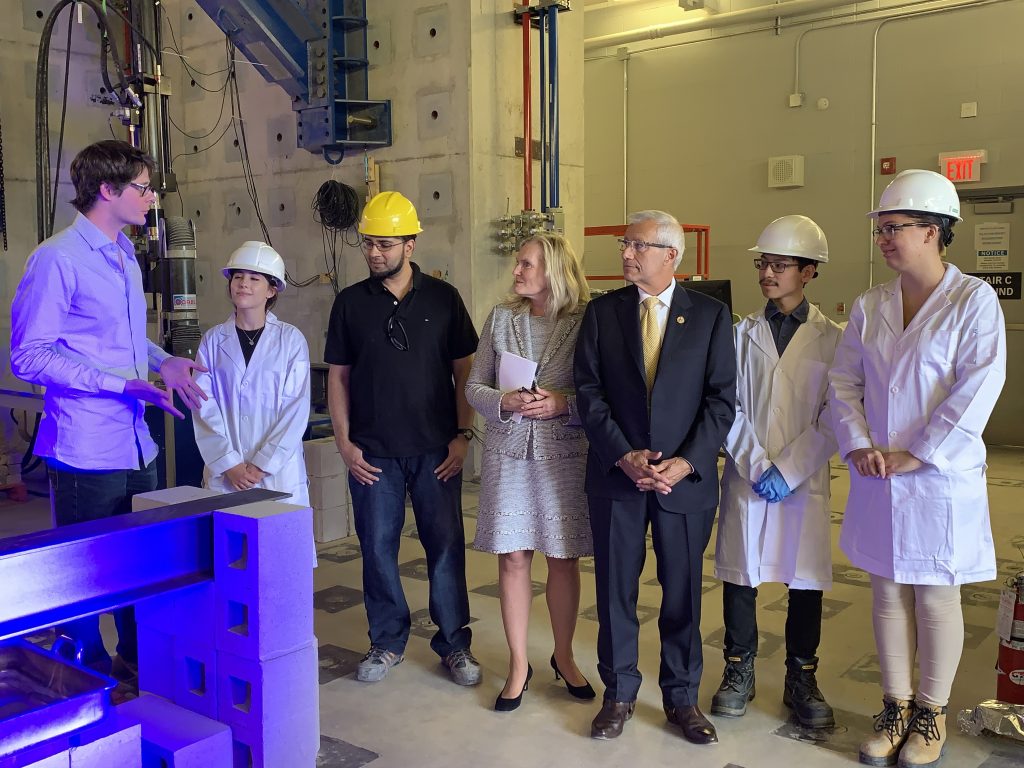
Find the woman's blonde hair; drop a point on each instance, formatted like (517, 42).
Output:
(567, 283)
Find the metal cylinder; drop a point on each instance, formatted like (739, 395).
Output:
(180, 315)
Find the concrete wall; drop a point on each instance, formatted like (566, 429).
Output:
(457, 167)
(453, 73)
(704, 116)
(430, 58)
(19, 44)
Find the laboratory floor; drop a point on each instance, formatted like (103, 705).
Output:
(418, 718)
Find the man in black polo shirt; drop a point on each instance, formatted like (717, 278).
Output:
(400, 345)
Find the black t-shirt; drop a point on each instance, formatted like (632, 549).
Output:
(248, 340)
(401, 386)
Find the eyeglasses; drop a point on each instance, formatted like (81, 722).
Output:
(383, 246)
(143, 189)
(778, 267)
(529, 395)
(396, 333)
(638, 246)
(888, 231)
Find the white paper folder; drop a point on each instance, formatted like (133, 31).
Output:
(515, 372)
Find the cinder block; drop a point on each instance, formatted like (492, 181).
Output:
(332, 524)
(49, 755)
(263, 566)
(173, 737)
(189, 613)
(265, 624)
(165, 496)
(272, 707)
(329, 491)
(195, 677)
(322, 458)
(115, 740)
(294, 744)
(156, 661)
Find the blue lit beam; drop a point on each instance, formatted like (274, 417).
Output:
(53, 576)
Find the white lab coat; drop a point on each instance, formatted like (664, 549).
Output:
(258, 413)
(782, 419)
(928, 389)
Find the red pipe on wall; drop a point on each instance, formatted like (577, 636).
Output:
(527, 120)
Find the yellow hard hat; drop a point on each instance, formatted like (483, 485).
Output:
(389, 214)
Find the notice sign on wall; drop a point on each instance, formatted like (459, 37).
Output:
(1005, 284)
(992, 244)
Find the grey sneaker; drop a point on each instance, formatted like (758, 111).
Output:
(464, 668)
(376, 664)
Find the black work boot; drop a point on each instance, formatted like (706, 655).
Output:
(737, 687)
(803, 696)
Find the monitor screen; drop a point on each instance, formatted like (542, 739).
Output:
(717, 289)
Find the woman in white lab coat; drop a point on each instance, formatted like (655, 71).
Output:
(916, 376)
(782, 431)
(250, 429)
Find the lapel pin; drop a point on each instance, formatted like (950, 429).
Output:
(680, 319)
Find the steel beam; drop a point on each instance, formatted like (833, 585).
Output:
(53, 576)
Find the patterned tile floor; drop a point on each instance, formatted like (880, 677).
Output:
(417, 717)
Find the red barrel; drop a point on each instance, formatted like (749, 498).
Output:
(1010, 672)
(1017, 632)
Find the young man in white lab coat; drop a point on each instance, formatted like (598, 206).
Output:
(774, 516)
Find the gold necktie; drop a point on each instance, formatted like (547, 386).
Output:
(650, 333)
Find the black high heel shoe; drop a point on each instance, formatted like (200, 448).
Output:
(501, 704)
(584, 691)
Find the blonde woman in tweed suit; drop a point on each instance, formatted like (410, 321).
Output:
(531, 485)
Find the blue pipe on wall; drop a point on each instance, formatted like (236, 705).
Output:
(542, 97)
(553, 77)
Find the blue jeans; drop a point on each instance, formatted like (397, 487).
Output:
(379, 511)
(77, 496)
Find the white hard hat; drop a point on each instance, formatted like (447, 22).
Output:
(796, 236)
(258, 257)
(921, 192)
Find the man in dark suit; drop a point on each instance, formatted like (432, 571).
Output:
(655, 374)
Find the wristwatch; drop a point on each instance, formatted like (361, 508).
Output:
(466, 433)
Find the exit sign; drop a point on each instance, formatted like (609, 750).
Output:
(962, 166)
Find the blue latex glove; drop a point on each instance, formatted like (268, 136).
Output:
(772, 486)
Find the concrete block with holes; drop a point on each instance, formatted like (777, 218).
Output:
(114, 740)
(263, 568)
(195, 676)
(272, 707)
(156, 655)
(174, 737)
(189, 613)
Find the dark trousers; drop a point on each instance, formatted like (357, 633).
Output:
(81, 495)
(620, 548)
(803, 621)
(379, 511)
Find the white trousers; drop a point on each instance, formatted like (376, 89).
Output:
(923, 622)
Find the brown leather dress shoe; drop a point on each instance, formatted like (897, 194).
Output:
(610, 720)
(697, 729)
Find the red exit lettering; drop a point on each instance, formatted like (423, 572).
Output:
(960, 168)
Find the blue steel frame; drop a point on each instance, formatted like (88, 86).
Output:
(317, 51)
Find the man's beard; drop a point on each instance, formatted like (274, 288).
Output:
(389, 273)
